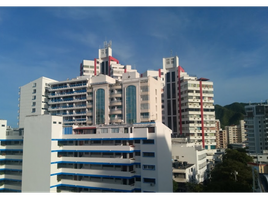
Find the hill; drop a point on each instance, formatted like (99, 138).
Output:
(230, 114)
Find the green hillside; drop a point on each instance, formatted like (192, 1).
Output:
(230, 114)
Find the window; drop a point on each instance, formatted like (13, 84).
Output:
(131, 104)
(59, 122)
(138, 166)
(54, 122)
(149, 180)
(104, 130)
(137, 153)
(137, 141)
(148, 167)
(125, 130)
(151, 129)
(115, 130)
(34, 91)
(34, 97)
(34, 84)
(34, 104)
(138, 179)
(33, 110)
(100, 106)
(3, 125)
(148, 141)
(148, 154)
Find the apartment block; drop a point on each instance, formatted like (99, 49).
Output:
(221, 136)
(190, 161)
(102, 158)
(256, 126)
(104, 100)
(33, 99)
(105, 64)
(236, 133)
(187, 104)
(11, 150)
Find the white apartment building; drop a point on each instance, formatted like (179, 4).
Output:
(33, 99)
(11, 148)
(103, 158)
(191, 161)
(106, 64)
(104, 100)
(256, 126)
(187, 104)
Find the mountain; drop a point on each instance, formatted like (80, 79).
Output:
(230, 114)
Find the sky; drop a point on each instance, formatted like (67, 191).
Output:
(228, 45)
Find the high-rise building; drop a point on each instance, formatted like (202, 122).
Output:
(102, 158)
(256, 123)
(104, 100)
(236, 133)
(221, 136)
(187, 104)
(33, 99)
(106, 64)
(11, 148)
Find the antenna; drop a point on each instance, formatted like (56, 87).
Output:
(110, 43)
(171, 53)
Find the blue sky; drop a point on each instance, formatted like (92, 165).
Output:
(228, 45)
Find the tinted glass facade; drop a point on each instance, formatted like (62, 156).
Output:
(131, 104)
(100, 106)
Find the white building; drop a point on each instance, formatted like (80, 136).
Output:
(256, 123)
(191, 161)
(187, 104)
(11, 148)
(103, 158)
(105, 64)
(33, 99)
(104, 100)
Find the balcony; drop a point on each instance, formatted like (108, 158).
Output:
(89, 97)
(89, 105)
(115, 103)
(115, 111)
(117, 94)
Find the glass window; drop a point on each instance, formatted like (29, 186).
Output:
(148, 167)
(100, 106)
(148, 141)
(151, 129)
(104, 130)
(115, 130)
(131, 104)
(148, 154)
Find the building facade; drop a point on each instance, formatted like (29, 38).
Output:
(187, 104)
(186, 155)
(11, 151)
(101, 158)
(105, 100)
(236, 133)
(221, 136)
(256, 123)
(105, 64)
(33, 99)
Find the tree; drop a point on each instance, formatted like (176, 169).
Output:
(194, 187)
(233, 174)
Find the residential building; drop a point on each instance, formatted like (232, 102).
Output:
(104, 100)
(188, 107)
(190, 161)
(256, 123)
(11, 148)
(106, 64)
(236, 133)
(100, 158)
(33, 99)
(221, 136)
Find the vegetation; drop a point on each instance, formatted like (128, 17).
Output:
(232, 175)
(230, 114)
(175, 186)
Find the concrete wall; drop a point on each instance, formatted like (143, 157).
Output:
(37, 152)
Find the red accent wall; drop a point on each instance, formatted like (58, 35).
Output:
(95, 66)
(111, 59)
(159, 73)
(125, 69)
(202, 114)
